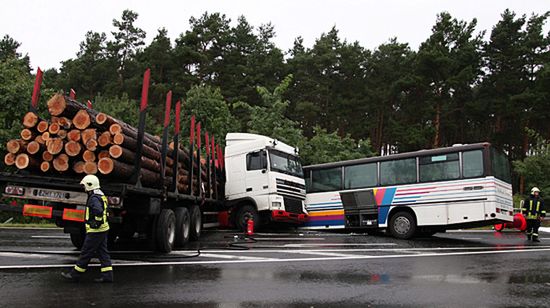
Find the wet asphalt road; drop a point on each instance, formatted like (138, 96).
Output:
(291, 269)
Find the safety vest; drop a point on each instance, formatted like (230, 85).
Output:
(533, 209)
(105, 225)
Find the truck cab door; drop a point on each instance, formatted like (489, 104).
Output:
(257, 177)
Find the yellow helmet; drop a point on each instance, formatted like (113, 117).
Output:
(534, 190)
(90, 182)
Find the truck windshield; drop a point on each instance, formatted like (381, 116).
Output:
(285, 163)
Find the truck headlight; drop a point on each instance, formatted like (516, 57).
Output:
(276, 204)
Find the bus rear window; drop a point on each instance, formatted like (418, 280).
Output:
(501, 166)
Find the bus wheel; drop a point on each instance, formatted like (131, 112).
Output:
(402, 225)
(183, 224)
(78, 238)
(244, 213)
(196, 222)
(166, 231)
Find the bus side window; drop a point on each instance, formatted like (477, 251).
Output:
(326, 179)
(401, 171)
(360, 176)
(472, 163)
(439, 167)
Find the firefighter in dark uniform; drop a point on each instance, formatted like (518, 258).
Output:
(534, 212)
(97, 229)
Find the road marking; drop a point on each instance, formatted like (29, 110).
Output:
(322, 253)
(224, 256)
(289, 239)
(544, 229)
(339, 244)
(51, 236)
(25, 255)
(285, 260)
(470, 238)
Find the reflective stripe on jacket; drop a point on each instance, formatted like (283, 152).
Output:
(533, 208)
(98, 205)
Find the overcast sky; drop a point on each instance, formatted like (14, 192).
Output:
(50, 31)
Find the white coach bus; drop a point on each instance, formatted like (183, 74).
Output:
(416, 193)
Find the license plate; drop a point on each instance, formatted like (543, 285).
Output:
(51, 194)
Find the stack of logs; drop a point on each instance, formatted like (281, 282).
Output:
(79, 140)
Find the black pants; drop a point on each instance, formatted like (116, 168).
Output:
(95, 245)
(533, 227)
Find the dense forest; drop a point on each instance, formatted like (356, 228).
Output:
(335, 100)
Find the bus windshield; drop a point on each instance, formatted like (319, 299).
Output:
(285, 163)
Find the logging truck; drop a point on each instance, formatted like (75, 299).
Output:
(157, 191)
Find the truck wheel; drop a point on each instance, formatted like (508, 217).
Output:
(78, 239)
(166, 231)
(183, 225)
(244, 213)
(402, 225)
(196, 222)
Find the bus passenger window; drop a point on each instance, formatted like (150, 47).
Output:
(439, 167)
(359, 176)
(472, 163)
(326, 179)
(401, 171)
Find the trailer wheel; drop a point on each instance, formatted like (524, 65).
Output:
(183, 225)
(78, 239)
(402, 225)
(166, 231)
(244, 213)
(196, 222)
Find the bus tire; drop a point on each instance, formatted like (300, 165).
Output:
(244, 213)
(196, 223)
(183, 226)
(165, 231)
(402, 225)
(78, 239)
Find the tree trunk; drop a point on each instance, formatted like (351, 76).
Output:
(437, 125)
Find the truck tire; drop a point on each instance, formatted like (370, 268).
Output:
(183, 225)
(196, 222)
(78, 239)
(166, 231)
(244, 213)
(402, 225)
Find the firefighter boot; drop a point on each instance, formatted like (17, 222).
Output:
(105, 277)
(536, 238)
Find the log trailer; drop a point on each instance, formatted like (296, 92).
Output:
(259, 178)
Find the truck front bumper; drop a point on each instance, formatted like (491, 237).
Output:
(284, 216)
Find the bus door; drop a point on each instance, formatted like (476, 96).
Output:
(360, 209)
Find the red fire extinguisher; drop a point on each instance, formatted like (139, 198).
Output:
(250, 226)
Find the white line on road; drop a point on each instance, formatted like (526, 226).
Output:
(289, 239)
(224, 256)
(339, 244)
(359, 257)
(51, 236)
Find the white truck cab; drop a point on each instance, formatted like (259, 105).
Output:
(264, 180)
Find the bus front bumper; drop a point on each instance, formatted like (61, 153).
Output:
(284, 216)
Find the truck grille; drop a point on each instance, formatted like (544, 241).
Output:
(293, 205)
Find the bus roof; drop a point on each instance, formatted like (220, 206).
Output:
(446, 150)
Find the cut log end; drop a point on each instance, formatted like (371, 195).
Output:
(27, 134)
(118, 139)
(16, 146)
(115, 151)
(78, 167)
(91, 145)
(103, 154)
(72, 148)
(30, 119)
(90, 167)
(57, 104)
(55, 146)
(105, 166)
(101, 118)
(47, 156)
(104, 139)
(61, 163)
(54, 128)
(82, 119)
(23, 161)
(9, 159)
(115, 129)
(74, 135)
(45, 166)
(88, 156)
(39, 139)
(33, 147)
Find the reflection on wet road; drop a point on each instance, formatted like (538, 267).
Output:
(287, 269)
